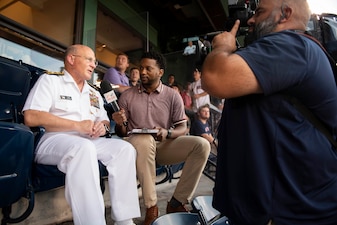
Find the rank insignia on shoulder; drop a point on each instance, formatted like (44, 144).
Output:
(54, 73)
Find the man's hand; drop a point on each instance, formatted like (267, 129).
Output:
(119, 117)
(121, 123)
(227, 40)
(161, 135)
(92, 129)
(98, 129)
(85, 127)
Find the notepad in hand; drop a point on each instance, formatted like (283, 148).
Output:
(143, 131)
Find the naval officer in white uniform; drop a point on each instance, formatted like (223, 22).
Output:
(73, 115)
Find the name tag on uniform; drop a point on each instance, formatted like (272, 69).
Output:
(64, 97)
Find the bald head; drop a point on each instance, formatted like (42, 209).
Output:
(300, 12)
(76, 49)
(80, 62)
(278, 15)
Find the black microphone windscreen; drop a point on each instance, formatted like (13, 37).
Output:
(110, 96)
(105, 86)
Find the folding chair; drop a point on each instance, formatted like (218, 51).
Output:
(210, 168)
(14, 88)
(203, 206)
(222, 221)
(16, 141)
(178, 219)
(16, 157)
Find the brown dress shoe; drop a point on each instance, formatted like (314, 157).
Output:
(151, 215)
(181, 208)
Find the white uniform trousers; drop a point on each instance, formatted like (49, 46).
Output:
(78, 158)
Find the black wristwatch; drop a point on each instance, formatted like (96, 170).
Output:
(169, 133)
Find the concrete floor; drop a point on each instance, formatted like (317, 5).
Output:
(164, 192)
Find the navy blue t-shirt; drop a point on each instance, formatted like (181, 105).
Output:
(198, 128)
(272, 163)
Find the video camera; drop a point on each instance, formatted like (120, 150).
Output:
(242, 10)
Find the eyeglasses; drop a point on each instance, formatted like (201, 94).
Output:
(89, 60)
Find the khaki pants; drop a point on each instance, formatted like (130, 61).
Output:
(192, 150)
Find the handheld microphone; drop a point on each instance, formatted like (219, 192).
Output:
(110, 97)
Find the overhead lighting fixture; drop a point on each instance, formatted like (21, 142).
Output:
(101, 47)
(177, 6)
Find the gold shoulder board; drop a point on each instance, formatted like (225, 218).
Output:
(54, 73)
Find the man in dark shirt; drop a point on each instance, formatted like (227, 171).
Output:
(200, 126)
(274, 166)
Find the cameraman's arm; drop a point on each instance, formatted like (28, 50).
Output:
(225, 74)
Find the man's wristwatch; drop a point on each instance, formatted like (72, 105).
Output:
(107, 128)
(124, 124)
(169, 133)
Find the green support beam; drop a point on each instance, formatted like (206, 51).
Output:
(136, 20)
(225, 6)
(89, 23)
